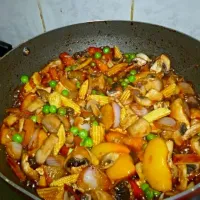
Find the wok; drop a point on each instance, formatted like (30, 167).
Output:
(183, 51)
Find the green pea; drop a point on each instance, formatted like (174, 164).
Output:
(67, 69)
(132, 56)
(24, 79)
(124, 84)
(133, 72)
(95, 123)
(156, 193)
(17, 138)
(144, 186)
(65, 93)
(126, 55)
(151, 136)
(97, 55)
(62, 111)
(149, 193)
(45, 109)
(126, 80)
(102, 94)
(52, 84)
(74, 130)
(92, 64)
(94, 92)
(34, 118)
(106, 50)
(83, 134)
(88, 142)
(128, 60)
(131, 78)
(73, 67)
(52, 109)
(110, 81)
(78, 84)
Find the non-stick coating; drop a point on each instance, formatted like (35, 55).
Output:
(183, 51)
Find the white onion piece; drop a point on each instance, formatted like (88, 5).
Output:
(14, 150)
(71, 120)
(54, 161)
(33, 139)
(85, 126)
(167, 121)
(117, 111)
(143, 56)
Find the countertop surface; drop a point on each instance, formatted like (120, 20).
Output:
(21, 20)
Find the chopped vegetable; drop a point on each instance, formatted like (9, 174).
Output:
(52, 84)
(97, 134)
(83, 90)
(97, 55)
(62, 111)
(65, 93)
(24, 79)
(157, 114)
(17, 138)
(106, 50)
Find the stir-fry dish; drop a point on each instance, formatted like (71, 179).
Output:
(103, 125)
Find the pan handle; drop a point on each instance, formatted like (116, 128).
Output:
(4, 48)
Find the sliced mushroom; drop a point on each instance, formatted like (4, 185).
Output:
(153, 83)
(77, 160)
(30, 172)
(154, 95)
(140, 128)
(143, 56)
(43, 94)
(51, 123)
(64, 121)
(143, 101)
(140, 61)
(46, 149)
(139, 110)
(178, 111)
(192, 131)
(108, 160)
(166, 123)
(161, 64)
(182, 169)
(122, 191)
(36, 104)
(195, 144)
(174, 135)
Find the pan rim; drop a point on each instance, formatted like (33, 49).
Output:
(23, 44)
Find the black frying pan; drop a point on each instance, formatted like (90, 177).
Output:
(183, 51)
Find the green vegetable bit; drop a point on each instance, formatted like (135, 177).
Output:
(67, 69)
(78, 84)
(17, 138)
(92, 64)
(52, 109)
(83, 134)
(95, 123)
(52, 84)
(62, 111)
(144, 186)
(124, 84)
(97, 55)
(132, 56)
(65, 93)
(34, 118)
(74, 130)
(24, 79)
(131, 78)
(45, 109)
(88, 142)
(151, 136)
(106, 50)
(149, 193)
(156, 193)
(133, 72)
(94, 92)
(126, 80)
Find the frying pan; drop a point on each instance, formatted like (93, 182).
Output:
(183, 51)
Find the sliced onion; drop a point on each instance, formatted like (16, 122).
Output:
(14, 150)
(85, 126)
(33, 139)
(57, 161)
(186, 88)
(139, 110)
(71, 120)
(117, 111)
